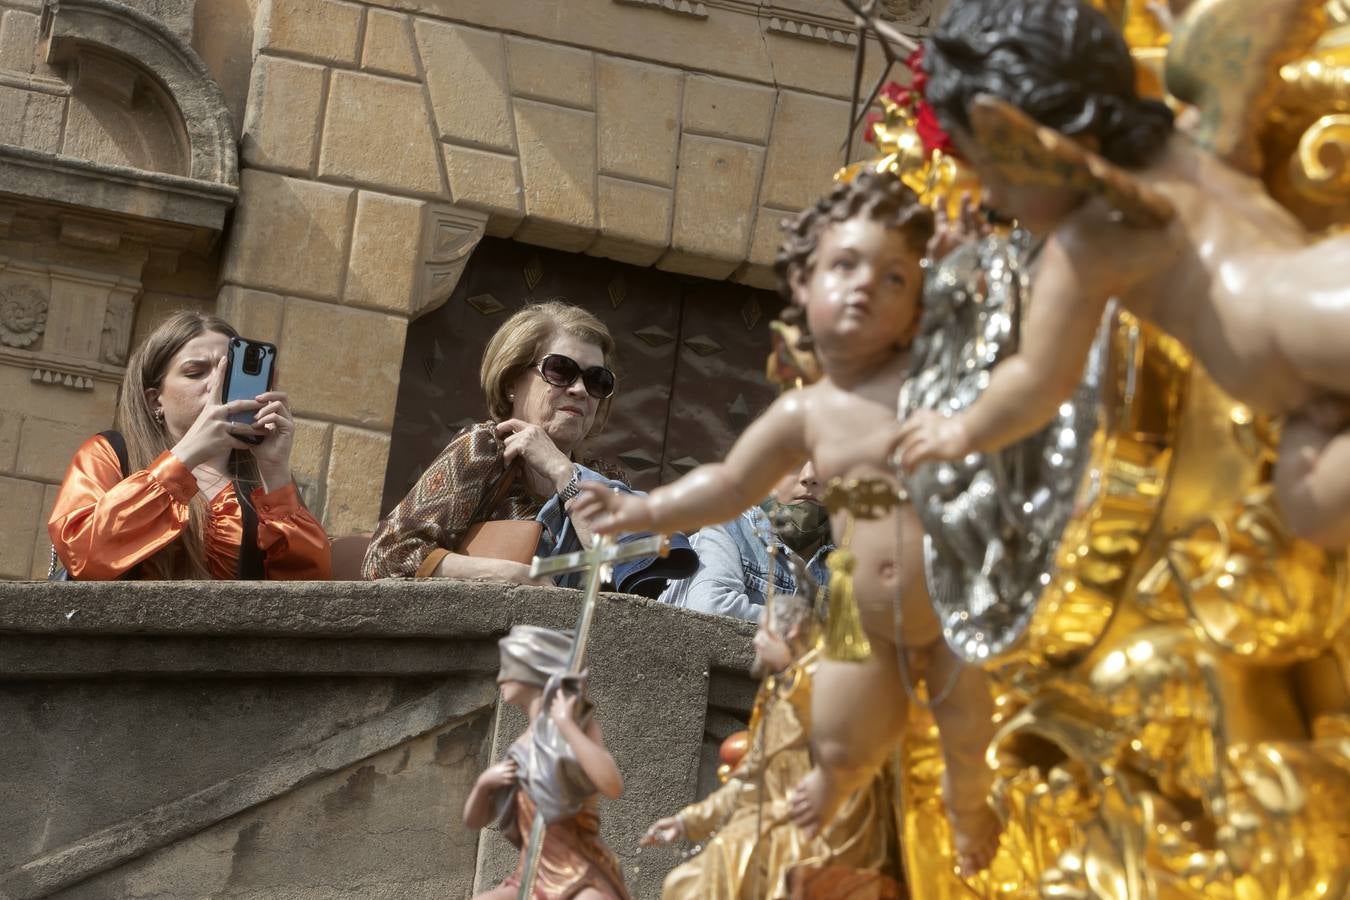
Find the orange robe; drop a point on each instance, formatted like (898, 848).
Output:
(573, 857)
(104, 525)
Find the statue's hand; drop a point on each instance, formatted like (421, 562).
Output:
(563, 709)
(611, 511)
(927, 436)
(663, 831)
(503, 774)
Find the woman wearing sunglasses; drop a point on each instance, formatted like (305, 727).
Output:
(548, 382)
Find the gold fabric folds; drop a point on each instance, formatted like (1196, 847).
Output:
(752, 849)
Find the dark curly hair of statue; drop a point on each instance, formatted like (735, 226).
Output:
(881, 197)
(1059, 61)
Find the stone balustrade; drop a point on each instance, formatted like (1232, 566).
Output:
(313, 740)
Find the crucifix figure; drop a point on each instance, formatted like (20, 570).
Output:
(597, 561)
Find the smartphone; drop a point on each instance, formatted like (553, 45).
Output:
(248, 373)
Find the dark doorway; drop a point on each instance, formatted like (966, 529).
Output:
(691, 357)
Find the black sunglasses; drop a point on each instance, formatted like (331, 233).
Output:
(563, 371)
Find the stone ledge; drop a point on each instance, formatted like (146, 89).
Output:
(368, 609)
(154, 723)
(141, 199)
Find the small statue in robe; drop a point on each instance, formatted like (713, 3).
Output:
(559, 765)
(753, 849)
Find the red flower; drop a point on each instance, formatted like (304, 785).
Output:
(894, 92)
(930, 132)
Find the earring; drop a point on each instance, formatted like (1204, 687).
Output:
(511, 397)
(158, 416)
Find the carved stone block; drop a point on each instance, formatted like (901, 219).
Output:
(639, 109)
(289, 235)
(377, 132)
(467, 81)
(714, 202)
(355, 479)
(23, 315)
(341, 363)
(382, 271)
(557, 160)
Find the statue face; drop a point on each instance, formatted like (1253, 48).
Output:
(18, 312)
(861, 292)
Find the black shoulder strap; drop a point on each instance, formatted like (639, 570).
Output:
(119, 445)
(250, 554)
(118, 442)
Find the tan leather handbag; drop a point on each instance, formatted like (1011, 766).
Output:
(514, 539)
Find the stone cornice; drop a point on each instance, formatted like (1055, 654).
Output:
(68, 25)
(185, 212)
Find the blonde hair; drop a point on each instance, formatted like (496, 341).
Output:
(148, 437)
(516, 345)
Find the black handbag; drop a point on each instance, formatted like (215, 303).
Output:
(250, 555)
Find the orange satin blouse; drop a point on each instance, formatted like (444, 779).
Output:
(103, 524)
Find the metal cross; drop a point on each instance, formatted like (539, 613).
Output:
(598, 561)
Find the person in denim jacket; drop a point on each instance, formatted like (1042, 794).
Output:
(733, 571)
(646, 576)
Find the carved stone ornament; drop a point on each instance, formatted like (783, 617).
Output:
(116, 330)
(908, 13)
(23, 315)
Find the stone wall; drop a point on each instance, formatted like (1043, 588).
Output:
(317, 740)
(378, 141)
(381, 141)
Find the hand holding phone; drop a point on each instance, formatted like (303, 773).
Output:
(249, 371)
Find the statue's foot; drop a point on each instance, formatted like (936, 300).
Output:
(975, 834)
(812, 803)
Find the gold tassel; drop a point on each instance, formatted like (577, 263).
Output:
(845, 639)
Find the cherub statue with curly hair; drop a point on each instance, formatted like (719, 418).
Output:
(1039, 95)
(853, 265)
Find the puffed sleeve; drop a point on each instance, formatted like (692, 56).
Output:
(103, 524)
(429, 522)
(295, 545)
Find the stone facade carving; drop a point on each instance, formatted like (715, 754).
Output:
(23, 315)
(449, 237)
(909, 13)
(71, 27)
(679, 7)
(117, 329)
(812, 32)
(74, 381)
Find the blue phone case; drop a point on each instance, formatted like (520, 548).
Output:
(248, 373)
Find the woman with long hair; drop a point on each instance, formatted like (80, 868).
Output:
(191, 491)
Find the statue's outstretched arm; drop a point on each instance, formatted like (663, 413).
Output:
(772, 446)
(1026, 390)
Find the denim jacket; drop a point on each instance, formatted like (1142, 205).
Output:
(733, 569)
(646, 576)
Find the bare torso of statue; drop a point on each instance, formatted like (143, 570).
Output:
(1235, 279)
(856, 271)
(889, 581)
(1130, 207)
